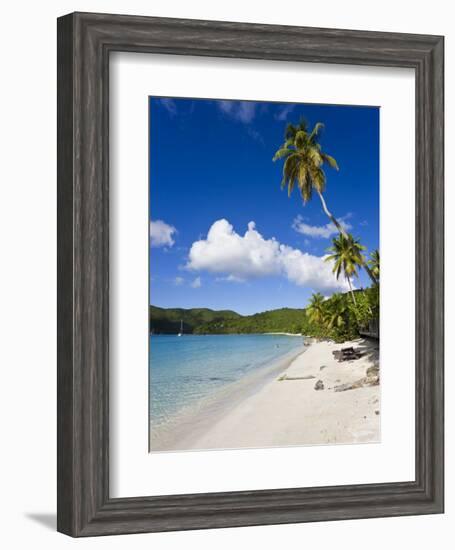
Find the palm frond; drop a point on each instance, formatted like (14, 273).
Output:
(300, 140)
(318, 126)
(318, 178)
(290, 172)
(305, 187)
(282, 153)
(315, 156)
(330, 161)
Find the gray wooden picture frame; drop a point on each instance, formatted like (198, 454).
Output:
(85, 41)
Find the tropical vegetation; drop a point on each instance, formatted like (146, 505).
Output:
(339, 317)
(316, 310)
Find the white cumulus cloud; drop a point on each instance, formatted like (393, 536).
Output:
(161, 234)
(319, 231)
(197, 283)
(226, 253)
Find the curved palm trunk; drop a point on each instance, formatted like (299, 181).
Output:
(332, 218)
(342, 230)
(350, 290)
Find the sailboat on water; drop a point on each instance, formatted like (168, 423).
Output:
(181, 328)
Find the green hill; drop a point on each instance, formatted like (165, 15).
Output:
(277, 320)
(167, 321)
(208, 321)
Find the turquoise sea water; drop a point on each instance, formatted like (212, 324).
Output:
(188, 369)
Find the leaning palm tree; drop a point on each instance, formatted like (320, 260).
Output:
(303, 165)
(316, 311)
(346, 255)
(373, 263)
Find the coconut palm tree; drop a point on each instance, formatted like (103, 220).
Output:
(373, 263)
(315, 310)
(346, 255)
(303, 165)
(337, 311)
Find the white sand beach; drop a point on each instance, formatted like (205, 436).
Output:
(288, 410)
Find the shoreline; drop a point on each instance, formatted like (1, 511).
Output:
(282, 334)
(283, 408)
(229, 334)
(201, 416)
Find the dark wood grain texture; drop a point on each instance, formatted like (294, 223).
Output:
(84, 44)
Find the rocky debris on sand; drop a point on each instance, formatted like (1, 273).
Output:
(373, 371)
(371, 379)
(319, 385)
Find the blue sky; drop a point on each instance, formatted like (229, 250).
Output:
(223, 234)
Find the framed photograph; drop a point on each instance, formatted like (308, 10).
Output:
(250, 274)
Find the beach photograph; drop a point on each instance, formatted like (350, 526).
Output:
(264, 269)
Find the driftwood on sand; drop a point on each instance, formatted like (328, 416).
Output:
(285, 377)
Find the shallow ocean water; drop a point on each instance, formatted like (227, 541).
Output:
(188, 369)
